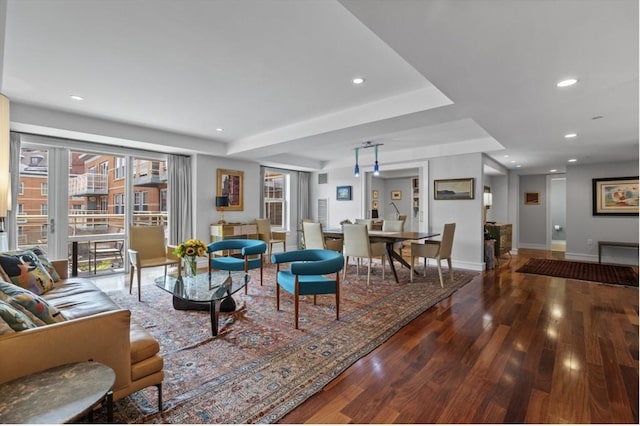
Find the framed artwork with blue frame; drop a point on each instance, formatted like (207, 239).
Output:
(343, 193)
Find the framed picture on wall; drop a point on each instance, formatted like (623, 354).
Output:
(616, 196)
(343, 193)
(454, 189)
(532, 198)
(374, 204)
(396, 195)
(374, 194)
(231, 183)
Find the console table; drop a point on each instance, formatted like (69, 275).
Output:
(613, 244)
(233, 230)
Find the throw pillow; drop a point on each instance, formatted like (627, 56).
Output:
(4, 327)
(44, 259)
(26, 271)
(16, 319)
(31, 302)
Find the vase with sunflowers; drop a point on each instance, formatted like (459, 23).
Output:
(189, 251)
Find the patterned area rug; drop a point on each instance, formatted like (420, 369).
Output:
(259, 367)
(610, 274)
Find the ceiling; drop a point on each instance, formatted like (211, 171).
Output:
(443, 77)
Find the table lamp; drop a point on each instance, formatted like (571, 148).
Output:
(222, 201)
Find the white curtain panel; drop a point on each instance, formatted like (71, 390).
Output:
(180, 195)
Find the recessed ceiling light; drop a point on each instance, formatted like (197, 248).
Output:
(219, 129)
(506, 156)
(77, 98)
(572, 160)
(519, 165)
(566, 83)
(553, 170)
(512, 161)
(358, 80)
(570, 135)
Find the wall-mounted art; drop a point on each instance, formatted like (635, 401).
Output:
(374, 194)
(454, 189)
(532, 198)
(343, 193)
(615, 196)
(231, 183)
(396, 195)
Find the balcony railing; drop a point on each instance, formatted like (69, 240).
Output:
(88, 184)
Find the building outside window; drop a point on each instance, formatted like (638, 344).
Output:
(44, 188)
(275, 203)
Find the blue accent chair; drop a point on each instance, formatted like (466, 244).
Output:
(250, 257)
(307, 275)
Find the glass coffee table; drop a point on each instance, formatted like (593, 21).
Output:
(205, 292)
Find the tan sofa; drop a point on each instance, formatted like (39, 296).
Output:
(96, 329)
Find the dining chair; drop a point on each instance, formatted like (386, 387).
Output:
(270, 237)
(308, 274)
(394, 226)
(147, 249)
(357, 244)
(314, 238)
(438, 250)
(368, 222)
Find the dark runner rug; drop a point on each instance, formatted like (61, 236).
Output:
(260, 367)
(610, 274)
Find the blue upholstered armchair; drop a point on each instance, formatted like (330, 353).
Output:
(307, 275)
(250, 256)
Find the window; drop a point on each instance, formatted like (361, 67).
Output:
(43, 231)
(163, 200)
(21, 188)
(44, 188)
(140, 201)
(119, 172)
(20, 208)
(275, 192)
(118, 204)
(44, 209)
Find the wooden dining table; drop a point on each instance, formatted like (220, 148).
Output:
(389, 238)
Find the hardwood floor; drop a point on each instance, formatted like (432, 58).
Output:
(506, 348)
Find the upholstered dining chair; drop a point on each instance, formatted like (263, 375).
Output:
(437, 250)
(308, 274)
(394, 226)
(357, 244)
(314, 238)
(147, 249)
(270, 237)
(250, 257)
(368, 222)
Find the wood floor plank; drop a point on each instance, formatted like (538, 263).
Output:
(508, 347)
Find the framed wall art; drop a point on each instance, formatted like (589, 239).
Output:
(532, 198)
(343, 193)
(231, 183)
(615, 196)
(374, 194)
(396, 195)
(454, 189)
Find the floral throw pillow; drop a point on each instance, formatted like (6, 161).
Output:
(16, 319)
(31, 302)
(26, 271)
(42, 256)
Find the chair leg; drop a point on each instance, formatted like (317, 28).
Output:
(277, 296)
(450, 269)
(159, 386)
(369, 273)
(139, 274)
(384, 258)
(131, 271)
(440, 273)
(344, 269)
(413, 261)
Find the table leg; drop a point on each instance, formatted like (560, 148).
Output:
(110, 407)
(391, 254)
(213, 311)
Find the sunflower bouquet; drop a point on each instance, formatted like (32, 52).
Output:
(189, 250)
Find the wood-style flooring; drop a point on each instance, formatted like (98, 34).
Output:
(506, 348)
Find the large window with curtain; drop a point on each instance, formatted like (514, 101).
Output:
(95, 186)
(275, 195)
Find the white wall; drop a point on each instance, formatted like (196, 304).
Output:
(339, 210)
(534, 226)
(582, 226)
(468, 246)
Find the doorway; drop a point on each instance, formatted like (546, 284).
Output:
(558, 213)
